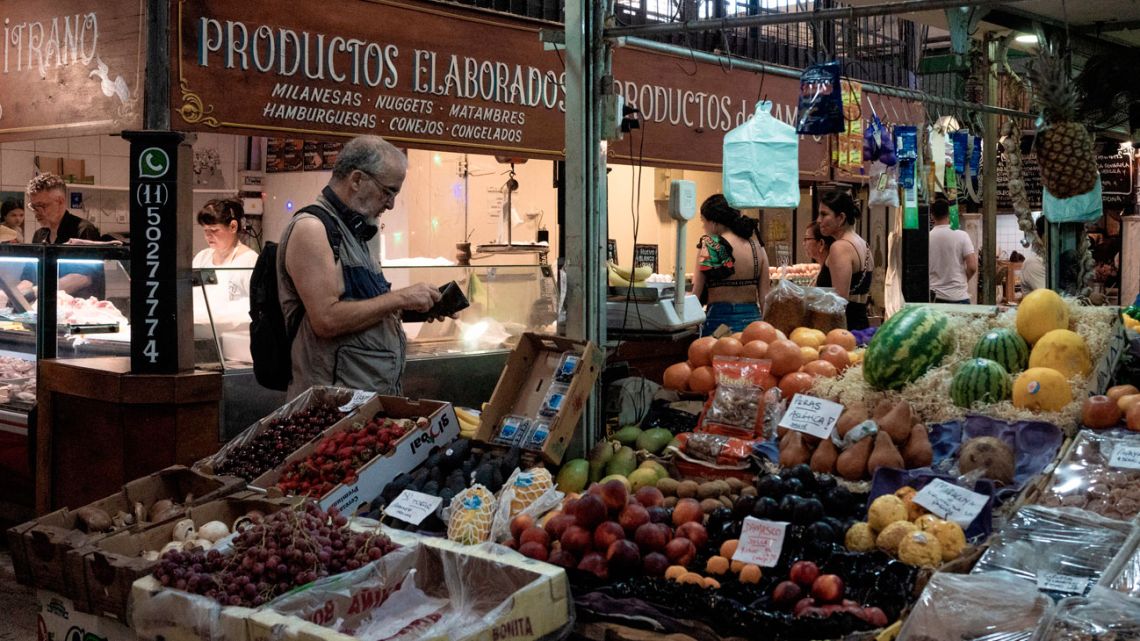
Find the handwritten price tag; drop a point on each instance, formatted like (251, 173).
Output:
(1125, 456)
(413, 507)
(1063, 583)
(760, 542)
(950, 502)
(359, 397)
(811, 415)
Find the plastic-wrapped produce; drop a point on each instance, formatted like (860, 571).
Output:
(1065, 552)
(957, 607)
(1124, 574)
(1099, 474)
(1103, 616)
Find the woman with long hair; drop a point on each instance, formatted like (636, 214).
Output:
(849, 266)
(732, 267)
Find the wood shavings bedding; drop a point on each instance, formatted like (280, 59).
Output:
(929, 396)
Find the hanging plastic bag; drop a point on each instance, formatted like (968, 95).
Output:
(821, 101)
(879, 143)
(826, 310)
(784, 306)
(761, 163)
(884, 186)
(961, 141)
(1084, 208)
(906, 139)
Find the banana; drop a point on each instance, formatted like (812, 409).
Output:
(635, 275)
(615, 280)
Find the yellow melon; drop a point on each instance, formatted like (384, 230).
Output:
(1040, 312)
(1041, 388)
(1063, 351)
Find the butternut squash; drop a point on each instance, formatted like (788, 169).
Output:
(794, 452)
(917, 452)
(885, 454)
(852, 463)
(824, 458)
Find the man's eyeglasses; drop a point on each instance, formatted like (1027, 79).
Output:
(389, 193)
(39, 206)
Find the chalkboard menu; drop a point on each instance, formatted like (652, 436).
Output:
(1116, 174)
(611, 251)
(645, 255)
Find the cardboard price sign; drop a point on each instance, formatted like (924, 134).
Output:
(413, 507)
(950, 502)
(359, 397)
(760, 542)
(811, 415)
(1125, 456)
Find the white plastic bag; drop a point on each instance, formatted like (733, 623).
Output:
(761, 165)
(405, 614)
(884, 186)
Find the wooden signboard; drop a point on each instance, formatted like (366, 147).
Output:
(443, 77)
(70, 68)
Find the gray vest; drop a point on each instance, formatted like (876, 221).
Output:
(371, 359)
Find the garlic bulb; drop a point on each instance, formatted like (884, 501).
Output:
(184, 531)
(213, 531)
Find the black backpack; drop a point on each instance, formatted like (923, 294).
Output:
(270, 341)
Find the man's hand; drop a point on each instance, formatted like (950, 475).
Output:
(419, 297)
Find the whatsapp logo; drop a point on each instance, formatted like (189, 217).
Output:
(153, 163)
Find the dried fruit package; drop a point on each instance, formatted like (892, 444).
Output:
(716, 448)
(785, 306)
(1097, 475)
(825, 310)
(1102, 616)
(736, 407)
(1123, 575)
(995, 607)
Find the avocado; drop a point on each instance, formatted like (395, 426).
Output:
(573, 476)
(624, 462)
(628, 435)
(654, 440)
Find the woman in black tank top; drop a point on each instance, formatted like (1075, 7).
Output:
(848, 269)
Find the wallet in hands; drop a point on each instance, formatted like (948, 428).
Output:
(451, 302)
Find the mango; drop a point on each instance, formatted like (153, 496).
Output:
(628, 435)
(642, 477)
(657, 468)
(624, 462)
(573, 476)
(654, 440)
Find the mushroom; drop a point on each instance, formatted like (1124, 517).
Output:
(159, 508)
(213, 531)
(184, 531)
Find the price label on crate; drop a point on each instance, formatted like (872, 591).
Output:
(950, 502)
(1125, 456)
(1063, 583)
(412, 507)
(359, 397)
(760, 542)
(811, 415)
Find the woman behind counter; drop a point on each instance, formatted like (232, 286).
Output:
(732, 267)
(848, 269)
(12, 217)
(221, 224)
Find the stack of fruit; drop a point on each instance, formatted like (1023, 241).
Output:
(623, 277)
(338, 456)
(616, 458)
(809, 593)
(900, 527)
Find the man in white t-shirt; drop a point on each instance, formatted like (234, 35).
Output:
(953, 261)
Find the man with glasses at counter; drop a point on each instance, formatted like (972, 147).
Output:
(347, 314)
(47, 198)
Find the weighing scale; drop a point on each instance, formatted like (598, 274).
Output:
(661, 306)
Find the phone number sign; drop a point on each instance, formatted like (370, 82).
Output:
(154, 211)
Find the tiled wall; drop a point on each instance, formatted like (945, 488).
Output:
(1009, 236)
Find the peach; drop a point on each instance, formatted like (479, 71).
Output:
(623, 557)
(534, 534)
(595, 564)
(519, 524)
(680, 551)
(652, 537)
(606, 534)
(576, 539)
(695, 532)
(614, 494)
(687, 510)
(649, 496)
(633, 517)
(828, 588)
(536, 551)
(787, 594)
(590, 511)
(556, 526)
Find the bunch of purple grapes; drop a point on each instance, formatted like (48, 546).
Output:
(283, 551)
(281, 438)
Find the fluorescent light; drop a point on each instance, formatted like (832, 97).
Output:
(1026, 38)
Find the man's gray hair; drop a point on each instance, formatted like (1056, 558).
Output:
(371, 154)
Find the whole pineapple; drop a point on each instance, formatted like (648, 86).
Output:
(1064, 147)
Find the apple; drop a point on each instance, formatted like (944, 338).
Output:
(875, 616)
(803, 605)
(606, 534)
(828, 588)
(804, 573)
(787, 594)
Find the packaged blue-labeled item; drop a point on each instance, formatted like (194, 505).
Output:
(906, 142)
(536, 439)
(554, 398)
(513, 430)
(566, 367)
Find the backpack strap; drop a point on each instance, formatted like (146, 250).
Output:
(331, 228)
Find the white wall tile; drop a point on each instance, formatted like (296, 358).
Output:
(16, 167)
(83, 146)
(115, 170)
(91, 166)
(52, 147)
(22, 145)
(114, 146)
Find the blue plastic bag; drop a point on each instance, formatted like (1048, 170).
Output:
(821, 100)
(1084, 208)
(761, 164)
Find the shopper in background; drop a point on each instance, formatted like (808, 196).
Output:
(732, 267)
(47, 198)
(350, 333)
(848, 268)
(817, 246)
(953, 261)
(12, 217)
(1033, 269)
(221, 222)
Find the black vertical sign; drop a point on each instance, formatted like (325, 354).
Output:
(645, 256)
(611, 250)
(154, 246)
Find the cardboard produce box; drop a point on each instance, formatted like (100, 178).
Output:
(408, 452)
(504, 595)
(52, 546)
(57, 619)
(522, 388)
(116, 562)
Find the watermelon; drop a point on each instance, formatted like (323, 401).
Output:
(1005, 346)
(907, 346)
(980, 380)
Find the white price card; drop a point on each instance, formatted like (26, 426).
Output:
(412, 507)
(359, 397)
(1125, 456)
(1063, 583)
(760, 542)
(811, 415)
(950, 502)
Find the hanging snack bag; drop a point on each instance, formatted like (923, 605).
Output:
(825, 310)
(784, 306)
(821, 101)
(736, 407)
